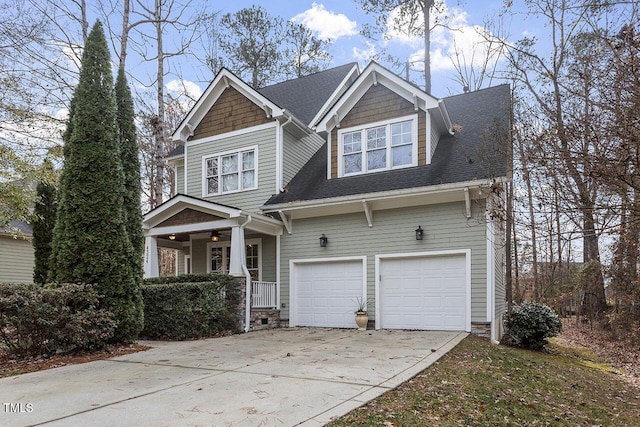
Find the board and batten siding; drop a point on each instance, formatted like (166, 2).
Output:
(446, 228)
(251, 200)
(16, 260)
(297, 152)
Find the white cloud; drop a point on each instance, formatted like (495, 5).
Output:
(365, 55)
(179, 88)
(457, 41)
(326, 24)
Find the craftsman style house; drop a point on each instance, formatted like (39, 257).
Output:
(345, 186)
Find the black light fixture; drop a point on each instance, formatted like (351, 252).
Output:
(323, 241)
(215, 236)
(419, 233)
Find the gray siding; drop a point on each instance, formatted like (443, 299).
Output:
(269, 259)
(445, 225)
(250, 200)
(16, 260)
(180, 179)
(199, 256)
(297, 152)
(434, 138)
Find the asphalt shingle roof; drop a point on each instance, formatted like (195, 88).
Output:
(477, 151)
(304, 96)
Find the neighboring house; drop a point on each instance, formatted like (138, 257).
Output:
(16, 253)
(345, 185)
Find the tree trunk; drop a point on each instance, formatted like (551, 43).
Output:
(125, 33)
(158, 130)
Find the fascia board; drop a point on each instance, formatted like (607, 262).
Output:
(332, 98)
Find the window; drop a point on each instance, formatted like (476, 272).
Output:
(230, 172)
(382, 146)
(220, 260)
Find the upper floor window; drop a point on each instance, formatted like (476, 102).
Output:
(380, 146)
(230, 172)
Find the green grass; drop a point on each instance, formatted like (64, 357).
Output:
(480, 384)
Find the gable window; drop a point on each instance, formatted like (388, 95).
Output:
(380, 146)
(230, 172)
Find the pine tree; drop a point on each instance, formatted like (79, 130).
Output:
(44, 221)
(90, 243)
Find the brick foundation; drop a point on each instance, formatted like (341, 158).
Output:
(264, 318)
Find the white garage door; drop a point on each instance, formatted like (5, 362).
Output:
(427, 293)
(325, 293)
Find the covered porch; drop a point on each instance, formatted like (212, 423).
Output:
(210, 237)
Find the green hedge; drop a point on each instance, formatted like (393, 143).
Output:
(190, 306)
(42, 321)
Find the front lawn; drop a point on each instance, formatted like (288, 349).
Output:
(479, 384)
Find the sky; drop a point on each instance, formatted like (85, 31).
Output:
(341, 21)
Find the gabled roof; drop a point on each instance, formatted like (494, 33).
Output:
(306, 97)
(372, 75)
(477, 151)
(303, 98)
(223, 79)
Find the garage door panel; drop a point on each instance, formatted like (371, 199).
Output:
(428, 292)
(326, 293)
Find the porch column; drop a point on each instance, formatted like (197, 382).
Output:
(237, 252)
(151, 257)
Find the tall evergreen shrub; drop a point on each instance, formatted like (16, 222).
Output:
(90, 243)
(43, 223)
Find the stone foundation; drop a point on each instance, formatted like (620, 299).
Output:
(264, 318)
(482, 329)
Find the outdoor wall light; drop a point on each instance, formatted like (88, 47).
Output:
(419, 233)
(172, 237)
(215, 236)
(323, 241)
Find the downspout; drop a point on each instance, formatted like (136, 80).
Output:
(247, 276)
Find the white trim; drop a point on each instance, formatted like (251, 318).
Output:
(329, 155)
(293, 315)
(428, 137)
(188, 228)
(279, 157)
(430, 254)
(232, 134)
(278, 273)
(219, 155)
(413, 118)
(186, 191)
(330, 100)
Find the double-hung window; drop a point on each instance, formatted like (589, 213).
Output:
(230, 172)
(381, 146)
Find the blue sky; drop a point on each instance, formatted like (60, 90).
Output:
(341, 21)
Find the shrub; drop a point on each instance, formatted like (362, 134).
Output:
(36, 321)
(532, 323)
(186, 310)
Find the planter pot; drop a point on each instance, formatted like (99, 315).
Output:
(361, 320)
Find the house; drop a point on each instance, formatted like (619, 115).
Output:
(16, 253)
(342, 186)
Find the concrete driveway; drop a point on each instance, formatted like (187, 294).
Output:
(282, 377)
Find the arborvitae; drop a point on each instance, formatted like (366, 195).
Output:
(43, 223)
(131, 167)
(90, 243)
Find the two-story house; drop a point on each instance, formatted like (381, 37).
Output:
(341, 186)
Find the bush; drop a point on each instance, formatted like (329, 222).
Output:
(181, 309)
(36, 321)
(532, 323)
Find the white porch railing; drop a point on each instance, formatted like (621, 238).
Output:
(264, 294)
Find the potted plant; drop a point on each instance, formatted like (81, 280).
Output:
(362, 318)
